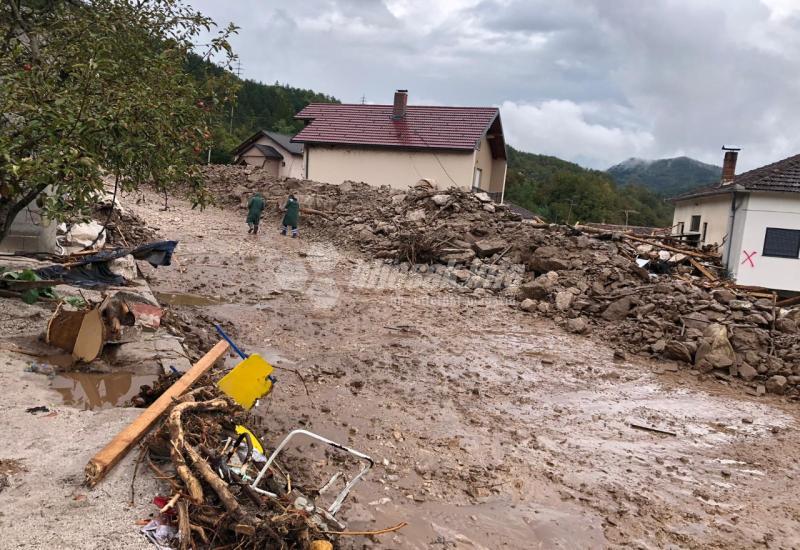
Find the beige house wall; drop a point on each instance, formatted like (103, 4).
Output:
(484, 163)
(396, 168)
(291, 167)
(714, 210)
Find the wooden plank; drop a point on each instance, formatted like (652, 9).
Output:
(667, 247)
(789, 302)
(702, 269)
(111, 454)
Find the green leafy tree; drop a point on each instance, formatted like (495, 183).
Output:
(98, 87)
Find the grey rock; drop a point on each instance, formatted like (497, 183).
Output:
(488, 247)
(528, 305)
(678, 351)
(746, 372)
(776, 384)
(578, 325)
(715, 350)
(616, 311)
(564, 300)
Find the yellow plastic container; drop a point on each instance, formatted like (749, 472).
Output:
(248, 381)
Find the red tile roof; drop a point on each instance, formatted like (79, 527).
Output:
(459, 128)
(780, 177)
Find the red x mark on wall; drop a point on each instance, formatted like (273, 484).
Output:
(749, 257)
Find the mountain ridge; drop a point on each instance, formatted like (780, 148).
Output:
(667, 177)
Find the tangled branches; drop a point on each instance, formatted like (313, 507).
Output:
(189, 451)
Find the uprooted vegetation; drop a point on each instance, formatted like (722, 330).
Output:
(584, 279)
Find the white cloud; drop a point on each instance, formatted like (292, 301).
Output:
(592, 81)
(564, 129)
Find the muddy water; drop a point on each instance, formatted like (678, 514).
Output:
(184, 299)
(87, 390)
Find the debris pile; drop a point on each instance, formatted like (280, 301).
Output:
(644, 295)
(216, 504)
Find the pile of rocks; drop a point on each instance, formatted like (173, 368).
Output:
(586, 282)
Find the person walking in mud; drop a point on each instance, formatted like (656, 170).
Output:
(255, 206)
(292, 213)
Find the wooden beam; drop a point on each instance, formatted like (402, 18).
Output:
(702, 269)
(789, 302)
(111, 454)
(666, 247)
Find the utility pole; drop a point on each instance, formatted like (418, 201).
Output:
(363, 99)
(627, 212)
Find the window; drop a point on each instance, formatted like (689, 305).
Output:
(705, 231)
(782, 243)
(695, 224)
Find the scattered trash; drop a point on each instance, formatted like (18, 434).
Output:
(38, 409)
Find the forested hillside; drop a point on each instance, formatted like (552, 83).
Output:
(565, 192)
(258, 106)
(667, 177)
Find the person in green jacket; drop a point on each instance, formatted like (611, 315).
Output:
(292, 209)
(254, 208)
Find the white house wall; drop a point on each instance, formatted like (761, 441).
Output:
(748, 264)
(396, 168)
(714, 210)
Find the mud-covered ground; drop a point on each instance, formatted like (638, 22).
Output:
(490, 428)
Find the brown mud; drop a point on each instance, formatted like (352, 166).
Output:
(490, 428)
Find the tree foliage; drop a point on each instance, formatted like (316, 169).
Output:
(95, 87)
(561, 191)
(257, 107)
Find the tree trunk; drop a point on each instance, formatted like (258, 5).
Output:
(11, 206)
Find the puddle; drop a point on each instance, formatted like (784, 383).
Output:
(89, 390)
(181, 299)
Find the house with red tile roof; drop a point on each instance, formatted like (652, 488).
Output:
(398, 145)
(753, 219)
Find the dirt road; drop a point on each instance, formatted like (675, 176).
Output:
(491, 428)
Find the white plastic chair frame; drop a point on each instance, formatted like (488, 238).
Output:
(368, 463)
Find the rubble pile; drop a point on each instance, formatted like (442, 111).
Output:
(587, 280)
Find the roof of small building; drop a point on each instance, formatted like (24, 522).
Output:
(422, 127)
(268, 152)
(281, 139)
(779, 177)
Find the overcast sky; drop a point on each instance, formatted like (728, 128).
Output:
(591, 81)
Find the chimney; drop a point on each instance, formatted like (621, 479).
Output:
(729, 164)
(400, 102)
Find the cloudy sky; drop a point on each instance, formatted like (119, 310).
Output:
(591, 81)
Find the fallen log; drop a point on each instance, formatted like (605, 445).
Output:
(111, 454)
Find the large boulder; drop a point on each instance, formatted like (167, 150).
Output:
(677, 351)
(564, 300)
(715, 350)
(776, 384)
(578, 325)
(545, 258)
(617, 311)
(489, 247)
(746, 372)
